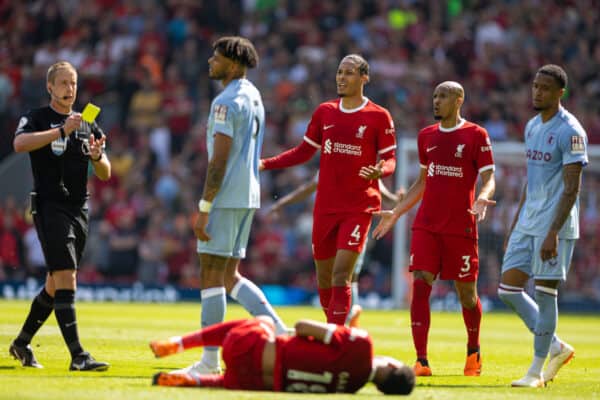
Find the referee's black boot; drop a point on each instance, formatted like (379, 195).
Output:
(24, 354)
(85, 362)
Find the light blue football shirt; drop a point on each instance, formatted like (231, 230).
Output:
(238, 112)
(548, 146)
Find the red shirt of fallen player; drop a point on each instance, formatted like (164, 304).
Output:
(344, 364)
(453, 159)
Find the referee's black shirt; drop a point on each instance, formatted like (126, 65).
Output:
(59, 173)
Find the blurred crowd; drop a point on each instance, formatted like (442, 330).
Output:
(145, 63)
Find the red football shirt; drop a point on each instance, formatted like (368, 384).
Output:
(305, 365)
(349, 140)
(453, 159)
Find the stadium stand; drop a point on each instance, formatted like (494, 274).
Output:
(145, 63)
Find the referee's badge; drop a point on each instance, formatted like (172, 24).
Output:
(22, 122)
(59, 146)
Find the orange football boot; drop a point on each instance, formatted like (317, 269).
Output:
(163, 348)
(175, 379)
(421, 370)
(473, 365)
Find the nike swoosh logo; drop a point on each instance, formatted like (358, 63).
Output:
(55, 125)
(431, 148)
(78, 365)
(68, 324)
(325, 127)
(353, 243)
(463, 275)
(339, 312)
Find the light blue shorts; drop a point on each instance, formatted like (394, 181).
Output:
(523, 252)
(229, 229)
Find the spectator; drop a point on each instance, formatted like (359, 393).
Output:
(122, 250)
(10, 249)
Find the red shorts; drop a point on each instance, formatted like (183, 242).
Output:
(339, 231)
(242, 352)
(452, 257)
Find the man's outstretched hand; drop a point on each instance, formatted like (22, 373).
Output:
(480, 207)
(387, 221)
(372, 171)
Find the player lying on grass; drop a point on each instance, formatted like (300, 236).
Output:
(319, 358)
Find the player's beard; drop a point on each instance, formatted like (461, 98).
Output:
(437, 117)
(541, 106)
(216, 75)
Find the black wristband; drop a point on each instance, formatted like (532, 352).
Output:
(97, 159)
(62, 132)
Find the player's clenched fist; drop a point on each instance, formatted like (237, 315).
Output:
(200, 227)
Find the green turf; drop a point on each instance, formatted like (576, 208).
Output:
(119, 333)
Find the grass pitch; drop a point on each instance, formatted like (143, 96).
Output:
(119, 333)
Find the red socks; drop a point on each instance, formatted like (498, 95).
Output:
(325, 298)
(339, 306)
(472, 320)
(420, 316)
(211, 335)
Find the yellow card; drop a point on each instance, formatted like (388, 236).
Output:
(90, 112)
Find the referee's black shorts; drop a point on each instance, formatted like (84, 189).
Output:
(62, 229)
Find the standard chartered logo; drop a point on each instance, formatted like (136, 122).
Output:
(444, 170)
(341, 148)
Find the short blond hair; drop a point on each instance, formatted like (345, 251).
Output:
(54, 68)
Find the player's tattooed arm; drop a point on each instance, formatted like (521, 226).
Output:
(217, 167)
(572, 186)
(214, 178)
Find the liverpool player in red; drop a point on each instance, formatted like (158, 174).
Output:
(452, 153)
(356, 139)
(319, 358)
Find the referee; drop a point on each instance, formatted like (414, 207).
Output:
(60, 146)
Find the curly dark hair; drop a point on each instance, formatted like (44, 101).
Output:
(399, 381)
(238, 49)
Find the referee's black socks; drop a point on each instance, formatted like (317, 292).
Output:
(41, 308)
(64, 309)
